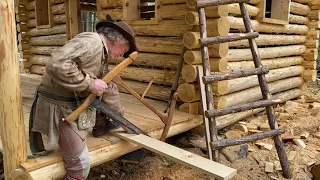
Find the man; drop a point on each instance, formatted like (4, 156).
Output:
(73, 72)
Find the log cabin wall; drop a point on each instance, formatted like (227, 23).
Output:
(288, 50)
(38, 44)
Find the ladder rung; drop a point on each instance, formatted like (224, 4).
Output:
(243, 107)
(224, 39)
(205, 3)
(225, 76)
(236, 141)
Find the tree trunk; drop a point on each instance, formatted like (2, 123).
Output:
(12, 129)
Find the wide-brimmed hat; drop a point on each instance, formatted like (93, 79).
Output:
(124, 29)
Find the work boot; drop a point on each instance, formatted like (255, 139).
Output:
(101, 130)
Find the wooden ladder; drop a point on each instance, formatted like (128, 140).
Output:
(205, 78)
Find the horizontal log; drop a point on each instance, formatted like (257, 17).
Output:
(172, 1)
(314, 15)
(252, 10)
(266, 53)
(155, 91)
(164, 28)
(57, 1)
(205, 3)
(189, 73)
(226, 39)
(233, 75)
(312, 43)
(236, 141)
(109, 3)
(22, 28)
(58, 9)
(116, 14)
(309, 75)
(239, 84)
(21, 18)
(51, 40)
(160, 44)
(270, 40)
(216, 27)
(59, 29)
(39, 60)
(296, 19)
(314, 3)
(23, 46)
(59, 19)
(31, 23)
(300, 9)
(313, 34)
(301, 1)
(310, 65)
(243, 107)
(37, 69)
(270, 63)
(237, 23)
(254, 94)
(153, 60)
(310, 54)
(31, 14)
(173, 11)
(30, 6)
(314, 24)
(193, 3)
(216, 64)
(165, 77)
(45, 50)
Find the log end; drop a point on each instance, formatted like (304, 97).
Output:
(189, 73)
(192, 57)
(219, 64)
(191, 40)
(220, 87)
(187, 92)
(192, 18)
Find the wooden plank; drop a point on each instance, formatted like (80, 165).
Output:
(130, 9)
(73, 14)
(280, 10)
(218, 171)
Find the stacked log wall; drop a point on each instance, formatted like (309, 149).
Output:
(288, 50)
(41, 42)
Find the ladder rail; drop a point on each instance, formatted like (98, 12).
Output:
(208, 87)
(266, 95)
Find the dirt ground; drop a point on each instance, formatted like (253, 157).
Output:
(296, 117)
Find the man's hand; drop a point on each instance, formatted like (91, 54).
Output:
(98, 87)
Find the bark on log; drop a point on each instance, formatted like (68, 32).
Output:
(314, 15)
(109, 3)
(270, 63)
(310, 55)
(145, 75)
(313, 34)
(160, 44)
(45, 50)
(237, 23)
(266, 53)
(216, 27)
(59, 29)
(309, 75)
(311, 65)
(314, 24)
(116, 14)
(254, 94)
(37, 69)
(155, 91)
(236, 141)
(39, 60)
(153, 60)
(165, 28)
(51, 40)
(12, 128)
(300, 9)
(296, 19)
(58, 9)
(312, 43)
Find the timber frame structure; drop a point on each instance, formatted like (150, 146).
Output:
(288, 44)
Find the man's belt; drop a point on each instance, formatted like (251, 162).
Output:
(57, 96)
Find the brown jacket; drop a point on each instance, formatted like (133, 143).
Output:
(73, 68)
